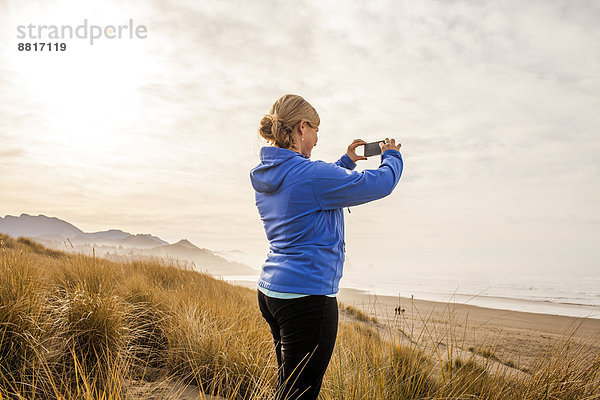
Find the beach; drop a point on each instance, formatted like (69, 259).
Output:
(513, 338)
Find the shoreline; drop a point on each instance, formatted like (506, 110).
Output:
(501, 303)
(504, 303)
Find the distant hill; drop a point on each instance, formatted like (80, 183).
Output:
(203, 259)
(117, 244)
(52, 229)
(108, 238)
(36, 226)
(142, 241)
(112, 234)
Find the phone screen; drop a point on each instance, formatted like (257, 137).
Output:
(372, 149)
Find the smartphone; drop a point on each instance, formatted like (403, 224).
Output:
(373, 149)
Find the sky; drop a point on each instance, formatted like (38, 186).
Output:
(495, 104)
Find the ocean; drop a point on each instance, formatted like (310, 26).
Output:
(573, 297)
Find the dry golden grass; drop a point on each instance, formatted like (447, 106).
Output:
(356, 313)
(77, 327)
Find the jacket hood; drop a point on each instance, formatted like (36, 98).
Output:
(275, 164)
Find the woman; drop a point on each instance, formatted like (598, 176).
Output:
(301, 205)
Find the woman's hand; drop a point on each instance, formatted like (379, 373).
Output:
(389, 145)
(352, 150)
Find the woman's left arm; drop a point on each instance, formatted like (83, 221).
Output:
(337, 188)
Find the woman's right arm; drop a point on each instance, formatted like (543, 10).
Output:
(336, 187)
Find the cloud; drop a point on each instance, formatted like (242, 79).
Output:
(12, 153)
(495, 104)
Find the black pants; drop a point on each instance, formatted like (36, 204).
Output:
(304, 332)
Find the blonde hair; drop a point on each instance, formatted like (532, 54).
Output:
(287, 112)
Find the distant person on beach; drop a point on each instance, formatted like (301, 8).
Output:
(301, 205)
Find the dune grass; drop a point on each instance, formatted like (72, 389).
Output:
(356, 313)
(78, 327)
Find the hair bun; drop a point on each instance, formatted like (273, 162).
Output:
(266, 125)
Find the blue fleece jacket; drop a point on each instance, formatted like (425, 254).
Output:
(301, 205)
